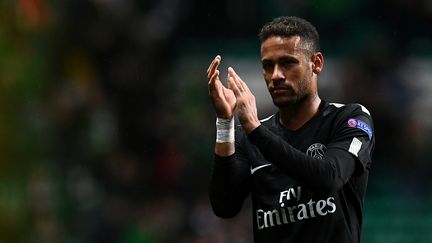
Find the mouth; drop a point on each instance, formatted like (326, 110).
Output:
(280, 90)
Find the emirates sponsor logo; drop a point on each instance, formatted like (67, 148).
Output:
(291, 214)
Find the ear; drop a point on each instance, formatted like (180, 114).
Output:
(317, 62)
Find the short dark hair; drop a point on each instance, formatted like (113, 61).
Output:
(287, 26)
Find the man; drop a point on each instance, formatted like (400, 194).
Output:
(307, 166)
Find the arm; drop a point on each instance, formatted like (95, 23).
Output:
(327, 175)
(229, 183)
(224, 102)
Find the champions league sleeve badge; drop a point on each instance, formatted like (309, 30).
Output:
(356, 123)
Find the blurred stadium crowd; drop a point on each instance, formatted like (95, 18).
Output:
(106, 130)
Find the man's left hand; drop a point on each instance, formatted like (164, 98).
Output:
(245, 102)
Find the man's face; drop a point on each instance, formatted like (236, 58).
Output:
(287, 69)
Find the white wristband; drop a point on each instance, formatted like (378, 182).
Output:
(224, 130)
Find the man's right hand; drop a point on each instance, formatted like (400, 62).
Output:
(224, 100)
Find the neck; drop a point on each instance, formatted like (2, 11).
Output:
(295, 116)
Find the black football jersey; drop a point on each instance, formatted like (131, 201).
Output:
(306, 185)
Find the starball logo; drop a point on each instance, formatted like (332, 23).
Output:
(291, 214)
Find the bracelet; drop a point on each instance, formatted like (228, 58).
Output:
(224, 130)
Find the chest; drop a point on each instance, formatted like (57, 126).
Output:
(275, 186)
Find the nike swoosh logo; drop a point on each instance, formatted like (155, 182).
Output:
(259, 167)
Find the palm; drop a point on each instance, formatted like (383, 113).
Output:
(230, 100)
(223, 99)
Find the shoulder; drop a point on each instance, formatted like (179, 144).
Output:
(352, 117)
(268, 120)
(350, 109)
(271, 121)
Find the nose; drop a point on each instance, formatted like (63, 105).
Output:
(277, 74)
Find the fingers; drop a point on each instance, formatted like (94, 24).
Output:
(213, 66)
(213, 72)
(236, 83)
(213, 79)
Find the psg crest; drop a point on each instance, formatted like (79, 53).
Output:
(316, 150)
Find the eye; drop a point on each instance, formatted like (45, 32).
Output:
(267, 66)
(287, 62)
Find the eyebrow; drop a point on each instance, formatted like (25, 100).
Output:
(281, 58)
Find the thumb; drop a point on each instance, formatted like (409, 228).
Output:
(232, 85)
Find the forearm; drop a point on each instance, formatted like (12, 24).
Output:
(224, 149)
(229, 185)
(327, 174)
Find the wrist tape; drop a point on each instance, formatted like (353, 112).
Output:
(224, 130)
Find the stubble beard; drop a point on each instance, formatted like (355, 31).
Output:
(294, 98)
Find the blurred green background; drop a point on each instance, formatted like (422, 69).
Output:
(106, 130)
